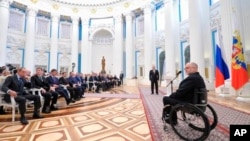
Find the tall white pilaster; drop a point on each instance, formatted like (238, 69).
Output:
(54, 42)
(148, 49)
(85, 54)
(170, 44)
(4, 18)
(129, 45)
(30, 40)
(118, 46)
(196, 36)
(89, 52)
(74, 44)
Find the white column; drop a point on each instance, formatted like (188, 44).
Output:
(54, 42)
(196, 37)
(30, 40)
(4, 18)
(148, 49)
(118, 46)
(89, 59)
(129, 45)
(85, 54)
(169, 40)
(74, 44)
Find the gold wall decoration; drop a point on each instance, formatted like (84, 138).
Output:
(55, 6)
(75, 10)
(109, 9)
(34, 1)
(126, 4)
(93, 11)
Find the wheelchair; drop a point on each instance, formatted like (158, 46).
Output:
(191, 121)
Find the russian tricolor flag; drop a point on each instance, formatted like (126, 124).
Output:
(222, 72)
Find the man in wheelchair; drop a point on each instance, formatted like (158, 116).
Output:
(185, 92)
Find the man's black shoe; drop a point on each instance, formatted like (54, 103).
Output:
(2, 112)
(37, 116)
(46, 110)
(24, 121)
(68, 101)
(53, 108)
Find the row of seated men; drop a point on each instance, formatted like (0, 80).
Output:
(98, 81)
(71, 88)
(50, 88)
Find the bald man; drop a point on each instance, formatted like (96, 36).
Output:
(186, 90)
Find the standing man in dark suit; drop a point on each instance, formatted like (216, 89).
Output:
(121, 77)
(14, 86)
(154, 77)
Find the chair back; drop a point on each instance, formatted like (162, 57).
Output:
(200, 98)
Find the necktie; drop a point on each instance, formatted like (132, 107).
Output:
(54, 79)
(20, 82)
(41, 78)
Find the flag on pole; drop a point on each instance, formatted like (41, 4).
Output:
(239, 69)
(221, 71)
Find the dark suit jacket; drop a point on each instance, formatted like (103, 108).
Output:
(52, 81)
(154, 76)
(64, 81)
(72, 80)
(12, 83)
(186, 89)
(38, 83)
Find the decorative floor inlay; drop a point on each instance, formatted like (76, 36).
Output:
(116, 115)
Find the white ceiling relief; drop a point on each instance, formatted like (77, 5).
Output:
(89, 2)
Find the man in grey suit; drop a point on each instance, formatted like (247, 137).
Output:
(14, 86)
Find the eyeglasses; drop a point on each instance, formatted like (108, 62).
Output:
(188, 67)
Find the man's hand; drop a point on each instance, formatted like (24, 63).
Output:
(52, 89)
(43, 90)
(12, 93)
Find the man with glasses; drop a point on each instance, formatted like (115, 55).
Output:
(186, 90)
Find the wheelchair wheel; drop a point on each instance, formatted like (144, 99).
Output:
(189, 122)
(213, 118)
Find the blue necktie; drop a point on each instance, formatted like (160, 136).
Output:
(20, 82)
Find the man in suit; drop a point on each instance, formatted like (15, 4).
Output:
(14, 86)
(121, 77)
(76, 85)
(154, 77)
(186, 90)
(50, 96)
(54, 82)
(74, 91)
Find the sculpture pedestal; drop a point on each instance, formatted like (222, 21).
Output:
(103, 72)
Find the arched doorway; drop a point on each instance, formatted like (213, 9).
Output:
(102, 46)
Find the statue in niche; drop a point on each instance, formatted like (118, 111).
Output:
(187, 54)
(103, 62)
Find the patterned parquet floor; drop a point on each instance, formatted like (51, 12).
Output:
(116, 115)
